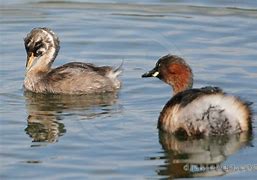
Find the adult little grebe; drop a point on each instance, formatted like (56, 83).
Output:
(204, 111)
(42, 47)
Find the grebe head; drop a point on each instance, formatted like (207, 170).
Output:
(42, 47)
(174, 71)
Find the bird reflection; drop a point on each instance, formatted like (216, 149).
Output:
(46, 112)
(44, 127)
(188, 157)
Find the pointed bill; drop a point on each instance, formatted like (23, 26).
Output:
(153, 73)
(30, 60)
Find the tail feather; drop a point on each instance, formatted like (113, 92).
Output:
(114, 73)
(119, 69)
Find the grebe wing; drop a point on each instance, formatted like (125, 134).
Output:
(75, 68)
(185, 97)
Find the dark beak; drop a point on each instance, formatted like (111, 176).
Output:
(153, 73)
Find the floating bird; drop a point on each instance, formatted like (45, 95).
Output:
(204, 111)
(42, 47)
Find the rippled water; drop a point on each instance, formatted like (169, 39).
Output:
(115, 136)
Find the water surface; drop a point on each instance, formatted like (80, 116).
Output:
(114, 136)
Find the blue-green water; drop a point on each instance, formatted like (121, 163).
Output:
(115, 137)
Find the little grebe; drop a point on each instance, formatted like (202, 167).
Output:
(204, 111)
(42, 47)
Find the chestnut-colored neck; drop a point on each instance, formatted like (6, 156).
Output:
(180, 77)
(181, 85)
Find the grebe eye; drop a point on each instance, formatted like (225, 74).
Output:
(158, 64)
(39, 52)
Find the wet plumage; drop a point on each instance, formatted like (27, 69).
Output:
(203, 111)
(42, 47)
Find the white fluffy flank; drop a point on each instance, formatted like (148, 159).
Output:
(231, 107)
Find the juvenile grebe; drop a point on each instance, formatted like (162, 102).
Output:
(204, 111)
(42, 47)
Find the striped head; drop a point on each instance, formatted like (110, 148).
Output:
(42, 47)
